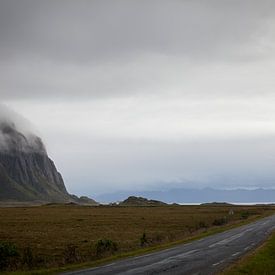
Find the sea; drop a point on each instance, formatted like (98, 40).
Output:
(233, 203)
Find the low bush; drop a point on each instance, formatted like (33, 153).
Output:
(157, 239)
(244, 215)
(27, 257)
(8, 255)
(105, 246)
(70, 254)
(143, 240)
(220, 221)
(202, 224)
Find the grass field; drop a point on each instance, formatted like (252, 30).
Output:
(262, 261)
(53, 236)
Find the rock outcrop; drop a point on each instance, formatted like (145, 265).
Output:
(139, 201)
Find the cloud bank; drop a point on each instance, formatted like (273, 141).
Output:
(97, 49)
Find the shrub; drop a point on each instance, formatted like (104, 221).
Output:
(158, 238)
(143, 239)
(8, 254)
(27, 258)
(70, 254)
(220, 221)
(105, 246)
(202, 224)
(244, 215)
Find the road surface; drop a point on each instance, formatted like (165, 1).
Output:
(206, 256)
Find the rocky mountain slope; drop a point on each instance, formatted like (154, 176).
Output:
(26, 171)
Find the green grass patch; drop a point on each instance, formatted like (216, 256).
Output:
(260, 262)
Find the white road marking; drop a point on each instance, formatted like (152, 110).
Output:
(142, 256)
(225, 241)
(183, 255)
(218, 263)
(110, 264)
(159, 263)
(236, 254)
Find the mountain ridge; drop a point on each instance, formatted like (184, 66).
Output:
(189, 195)
(26, 171)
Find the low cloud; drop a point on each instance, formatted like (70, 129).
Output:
(16, 134)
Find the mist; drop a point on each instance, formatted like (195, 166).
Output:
(16, 133)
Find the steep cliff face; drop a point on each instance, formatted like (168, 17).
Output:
(26, 171)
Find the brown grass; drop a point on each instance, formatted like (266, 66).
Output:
(51, 231)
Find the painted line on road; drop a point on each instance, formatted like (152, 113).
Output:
(218, 263)
(183, 255)
(109, 264)
(225, 241)
(236, 254)
(142, 256)
(173, 259)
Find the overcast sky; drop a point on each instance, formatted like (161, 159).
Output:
(145, 94)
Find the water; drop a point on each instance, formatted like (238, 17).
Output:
(234, 203)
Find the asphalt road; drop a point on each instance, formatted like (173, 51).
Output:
(206, 256)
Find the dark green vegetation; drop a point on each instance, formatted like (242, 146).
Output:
(8, 255)
(260, 262)
(54, 236)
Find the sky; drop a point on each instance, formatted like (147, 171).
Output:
(145, 95)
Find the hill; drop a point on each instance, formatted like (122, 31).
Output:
(197, 196)
(139, 201)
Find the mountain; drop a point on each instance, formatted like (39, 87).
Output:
(185, 195)
(139, 201)
(26, 171)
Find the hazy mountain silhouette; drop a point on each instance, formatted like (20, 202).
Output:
(182, 195)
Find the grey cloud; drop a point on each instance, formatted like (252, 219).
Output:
(90, 31)
(88, 66)
(63, 48)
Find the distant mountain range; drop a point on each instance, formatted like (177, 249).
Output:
(27, 174)
(182, 195)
